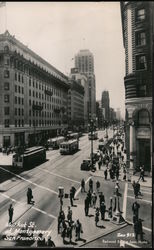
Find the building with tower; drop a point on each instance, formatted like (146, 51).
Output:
(84, 62)
(106, 104)
(138, 34)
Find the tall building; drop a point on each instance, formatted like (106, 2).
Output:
(83, 80)
(75, 105)
(33, 95)
(118, 114)
(138, 34)
(106, 104)
(112, 115)
(84, 61)
(99, 114)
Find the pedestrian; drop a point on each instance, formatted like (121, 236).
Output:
(96, 216)
(29, 196)
(138, 230)
(10, 211)
(69, 214)
(69, 231)
(73, 192)
(64, 231)
(61, 218)
(83, 186)
(138, 188)
(135, 189)
(124, 176)
(86, 206)
(94, 199)
(50, 242)
(98, 186)
(117, 187)
(101, 198)
(89, 198)
(102, 210)
(99, 164)
(117, 173)
(141, 174)
(105, 173)
(71, 197)
(41, 241)
(135, 209)
(91, 185)
(78, 230)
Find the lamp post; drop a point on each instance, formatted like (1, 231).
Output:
(61, 195)
(91, 128)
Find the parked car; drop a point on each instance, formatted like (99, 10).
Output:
(86, 165)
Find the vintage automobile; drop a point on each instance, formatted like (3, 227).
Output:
(86, 165)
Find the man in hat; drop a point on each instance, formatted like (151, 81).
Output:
(102, 210)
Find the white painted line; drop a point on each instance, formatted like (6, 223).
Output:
(24, 203)
(45, 170)
(40, 186)
(43, 212)
(131, 197)
(78, 191)
(141, 191)
(125, 201)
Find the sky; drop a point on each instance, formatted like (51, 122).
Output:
(58, 30)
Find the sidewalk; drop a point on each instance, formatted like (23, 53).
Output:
(90, 231)
(5, 160)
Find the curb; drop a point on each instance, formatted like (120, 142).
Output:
(99, 236)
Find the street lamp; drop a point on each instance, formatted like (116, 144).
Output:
(91, 129)
(61, 195)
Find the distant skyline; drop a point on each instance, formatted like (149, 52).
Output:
(58, 30)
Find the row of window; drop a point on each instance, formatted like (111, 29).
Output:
(19, 100)
(140, 15)
(20, 123)
(19, 89)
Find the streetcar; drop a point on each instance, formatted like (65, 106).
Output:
(72, 136)
(31, 157)
(69, 147)
(55, 142)
(93, 135)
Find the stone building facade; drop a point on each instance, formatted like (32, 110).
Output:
(33, 95)
(138, 28)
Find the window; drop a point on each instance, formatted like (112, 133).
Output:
(6, 86)
(19, 77)
(22, 79)
(6, 110)
(6, 98)
(142, 91)
(6, 61)
(140, 14)
(29, 92)
(22, 123)
(6, 74)
(141, 62)
(6, 123)
(22, 101)
(140, 38)
(30, 82)
(30, 123)
(22, 90)
(143, 117)
(15, 99)
(19, 89)
(19, 123)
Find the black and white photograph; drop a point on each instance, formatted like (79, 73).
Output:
(76, 148)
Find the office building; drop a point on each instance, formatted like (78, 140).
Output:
(138, 34)
(33, 95)
(106, 104)
(84, 62)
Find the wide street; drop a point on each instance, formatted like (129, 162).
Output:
(63, 171)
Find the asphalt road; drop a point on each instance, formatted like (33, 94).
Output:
(58, 170)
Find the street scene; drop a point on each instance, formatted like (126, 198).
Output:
(76, 148)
